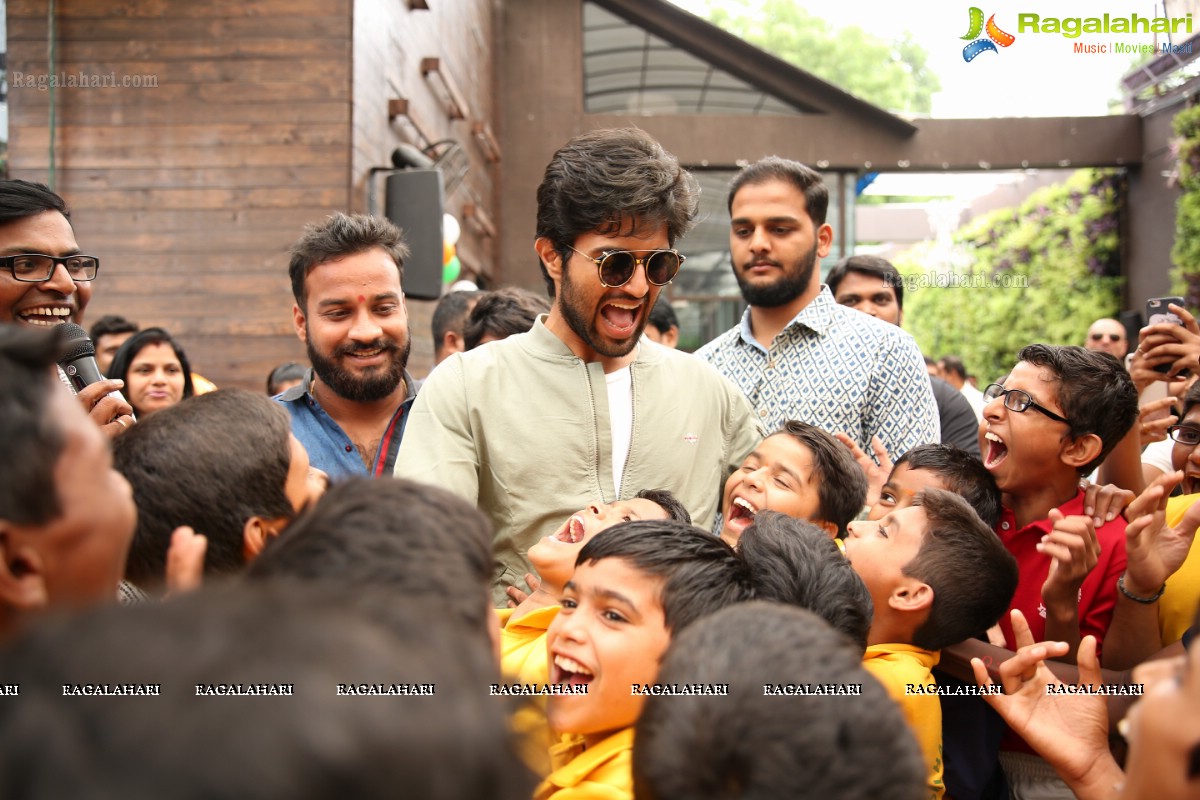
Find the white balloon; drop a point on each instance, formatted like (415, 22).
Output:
(450, 229)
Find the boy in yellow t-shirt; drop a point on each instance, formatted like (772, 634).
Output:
(937, 575)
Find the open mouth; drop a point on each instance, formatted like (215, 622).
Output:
(45, 316)
(567, 670)
(622, 316)
(741, 514)
(572, 532)
(997, 450)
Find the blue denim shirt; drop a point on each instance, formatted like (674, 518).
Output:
(328, 446)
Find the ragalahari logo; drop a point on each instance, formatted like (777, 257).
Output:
(995, 36)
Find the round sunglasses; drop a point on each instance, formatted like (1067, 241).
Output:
(616, 267)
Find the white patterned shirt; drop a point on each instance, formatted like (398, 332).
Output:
(836, 368)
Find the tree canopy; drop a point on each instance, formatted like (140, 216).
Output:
(891, 74)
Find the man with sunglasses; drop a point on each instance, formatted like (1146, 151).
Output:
(1108, 336)
(583, 406)
(46, 281)
(796, 353)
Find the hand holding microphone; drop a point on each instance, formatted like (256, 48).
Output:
(101, 397)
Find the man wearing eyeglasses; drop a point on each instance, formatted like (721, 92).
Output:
(796, 353)
(1108, 336)
(583, 406)
(45, 281)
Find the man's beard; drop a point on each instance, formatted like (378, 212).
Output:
(581, 324)
(375, 385)
(790, 284)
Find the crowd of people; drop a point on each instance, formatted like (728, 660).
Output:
(576, 562)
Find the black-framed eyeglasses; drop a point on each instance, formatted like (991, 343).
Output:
(1184, 434)
(1018, 400)
(616, 267)
(38, 267)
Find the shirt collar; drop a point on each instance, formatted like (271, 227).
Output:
(1073, 507)
(817, 316)
(581, 762)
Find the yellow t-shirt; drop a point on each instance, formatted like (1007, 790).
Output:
(1177, 607)
(523, 644)
(603, 772)
(897, 665)
(523, 659)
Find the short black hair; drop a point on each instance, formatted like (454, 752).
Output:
(111, 324)
(450, 314)
(1190, 398)
(612, 181)
(668, 502)
(211, 462)
(503, 313)
(699, 572)
(963, 473)
(313, 744)
(953, 364)
(843, 487)
(751, 745)
(796, 563)
(662, 316)
(773, 168)
(20, 199)
(875, 267)
(1095, 392)
(291, 371)
(340, 235)
(410, 538)
(972, 574)
(33, 439)
(129, 349)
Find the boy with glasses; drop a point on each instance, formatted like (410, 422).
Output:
(1058, 414)
(541, 424)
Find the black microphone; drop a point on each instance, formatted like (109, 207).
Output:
(77, 358)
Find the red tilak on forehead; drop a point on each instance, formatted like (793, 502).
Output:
(361, 299)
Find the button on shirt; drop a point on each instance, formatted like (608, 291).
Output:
(836, 368)
(329, 448)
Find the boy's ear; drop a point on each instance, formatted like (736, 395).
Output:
(1077, 452)
(22, 572)
(257, 532)
(829, 527)
(911, 595)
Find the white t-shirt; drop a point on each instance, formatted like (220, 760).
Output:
(1158, 454)
(620, 415)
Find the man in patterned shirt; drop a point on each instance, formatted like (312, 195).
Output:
(797, 354)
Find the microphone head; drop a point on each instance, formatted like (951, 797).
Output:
(73, 343)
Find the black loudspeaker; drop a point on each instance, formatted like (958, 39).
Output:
(414, 203)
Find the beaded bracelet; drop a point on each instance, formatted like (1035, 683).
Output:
(1134, 597)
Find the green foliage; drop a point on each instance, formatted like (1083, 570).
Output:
(1185, 275)
(891, 74)
(1039, 273)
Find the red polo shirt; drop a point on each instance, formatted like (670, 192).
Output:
(1097, 595)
